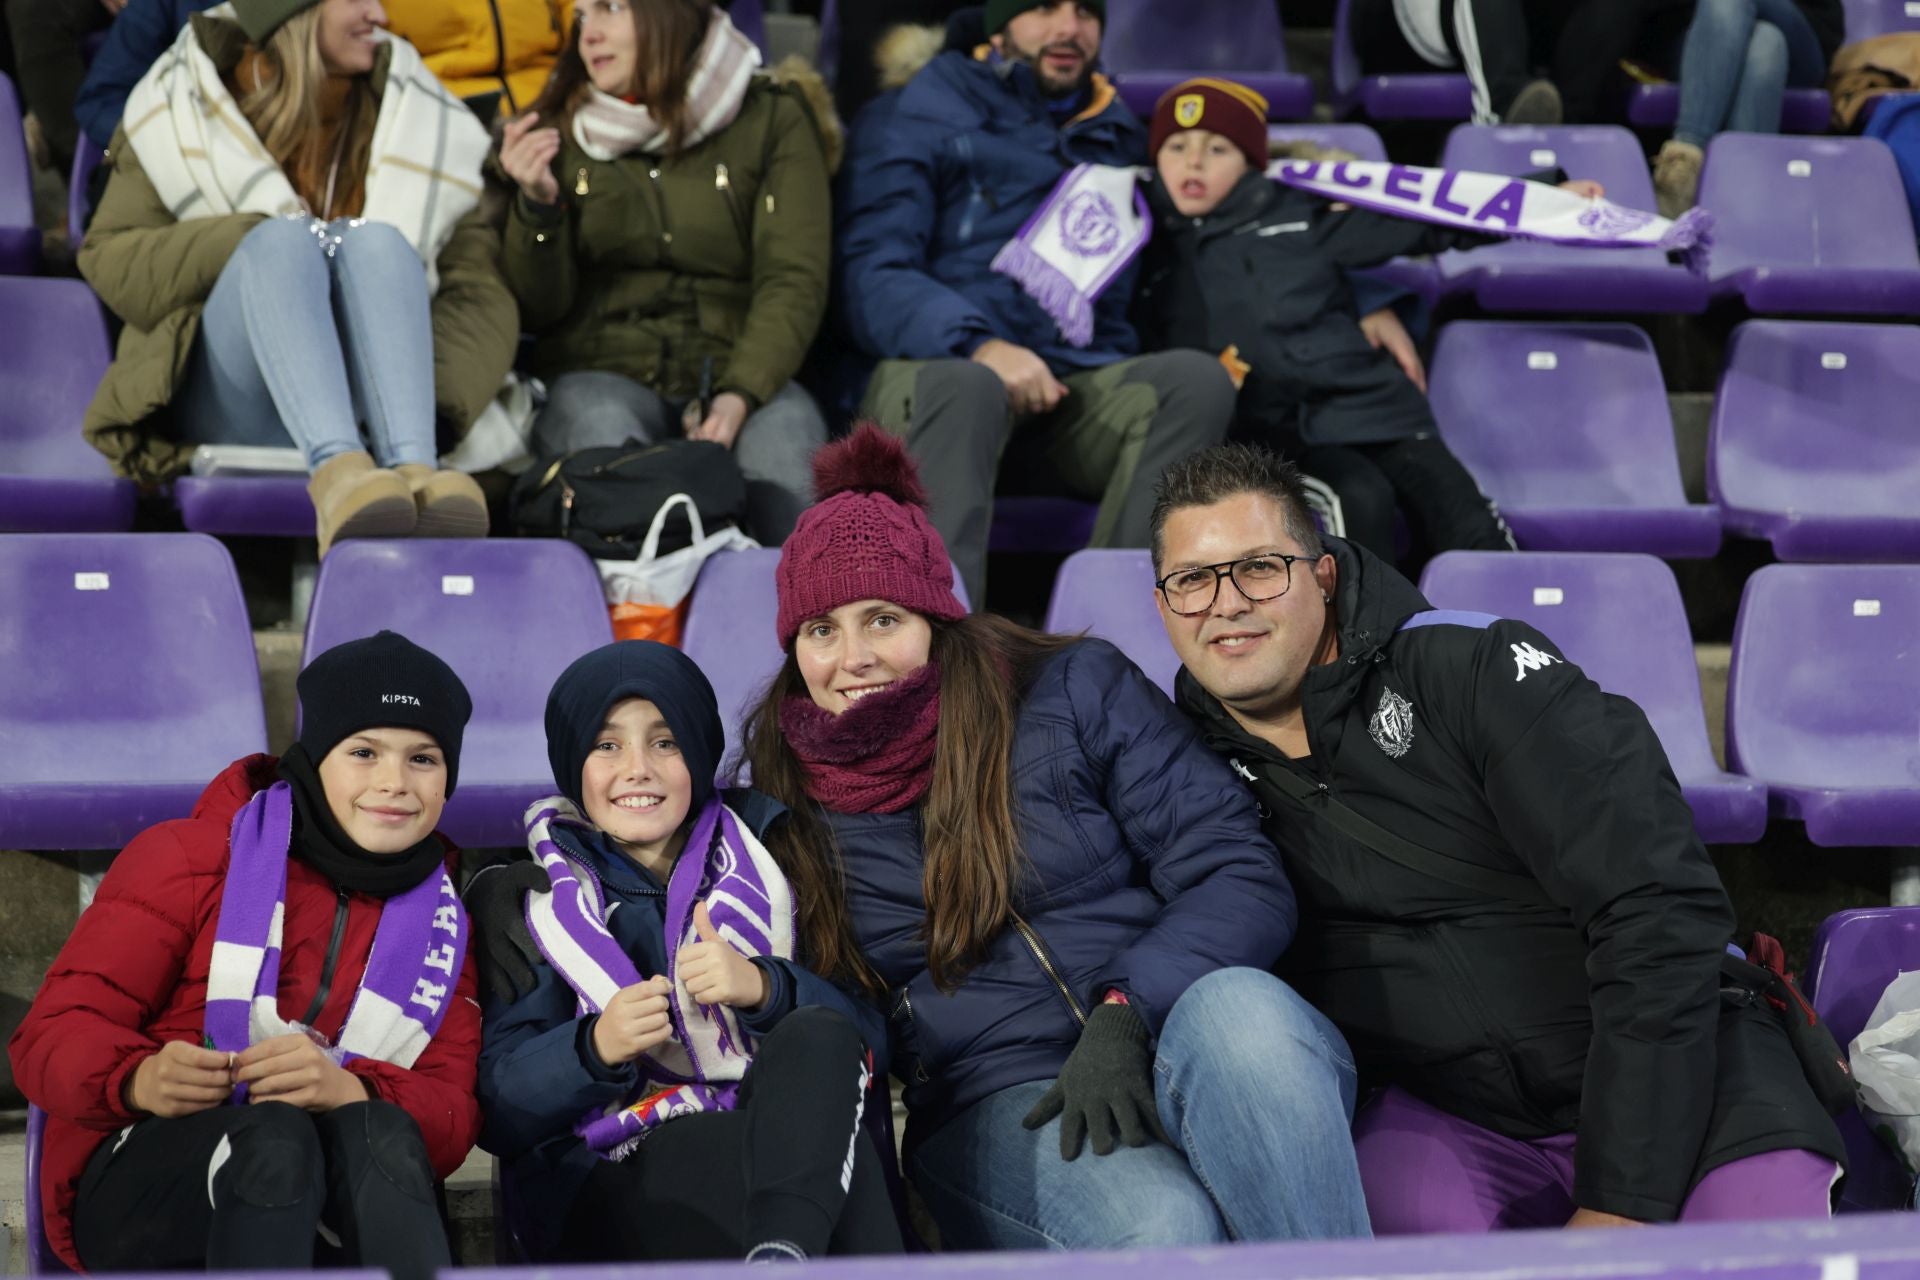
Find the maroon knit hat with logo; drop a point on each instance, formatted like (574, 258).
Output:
(1231, 110)
(865, 538)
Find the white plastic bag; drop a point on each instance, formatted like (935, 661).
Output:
(647, 594)
(1886, 1066)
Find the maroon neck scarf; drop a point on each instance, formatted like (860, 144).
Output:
(877, 755)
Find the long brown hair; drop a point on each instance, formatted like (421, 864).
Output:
(667, 36)
(283, 105)
(973, 859)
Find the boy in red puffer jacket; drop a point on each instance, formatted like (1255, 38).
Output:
(257, 1050)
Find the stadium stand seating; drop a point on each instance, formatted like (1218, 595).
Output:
(1425, 96)
(508, 615)
(750, 16)
(1109, 593)
(1806, 225)
(1360, 139)
(730, 630)
(1823, 699)
(130, 683)
(41, 1261)
(19, 234)
(263, 506)
(1041, 523)
(1151, 47)
(1577, 600)
(85, 161)
(53, 351)
(1657, 106)
(1815, 445)
(1567, 427)
(1855, 955)
(1867, 18)
(1520, 275)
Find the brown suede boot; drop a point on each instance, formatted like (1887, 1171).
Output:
(450, 504)
(1676, 177)
(352, 498)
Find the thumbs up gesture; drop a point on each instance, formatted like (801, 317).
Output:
(714, 972)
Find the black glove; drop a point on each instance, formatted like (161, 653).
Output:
(496, 904)
(1107, 1082)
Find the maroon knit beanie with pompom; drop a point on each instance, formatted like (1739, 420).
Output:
(865, 538)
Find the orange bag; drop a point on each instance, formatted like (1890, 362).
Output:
(661, 622)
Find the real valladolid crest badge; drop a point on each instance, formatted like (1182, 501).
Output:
(1187, 108)
(1392, 724)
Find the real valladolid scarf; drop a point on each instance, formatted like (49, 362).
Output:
(1095, 222)
(607, 128)
(418, 949)
(751, 906)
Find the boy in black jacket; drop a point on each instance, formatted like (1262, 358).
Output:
(1238, 261)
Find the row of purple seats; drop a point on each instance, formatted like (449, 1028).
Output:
(1833, 744)
(1149, 47)
(1812, 445)
(19, 233)
(1867, 18)
(1447, 95)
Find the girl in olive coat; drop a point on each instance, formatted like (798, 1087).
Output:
(669, 244)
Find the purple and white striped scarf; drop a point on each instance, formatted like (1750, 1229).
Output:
(1095, 222)
(418, 949)
(752, 907)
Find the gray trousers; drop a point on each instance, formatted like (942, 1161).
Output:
(592, 408)
(1117, 430)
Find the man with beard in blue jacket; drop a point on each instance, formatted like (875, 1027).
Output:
(972, 370)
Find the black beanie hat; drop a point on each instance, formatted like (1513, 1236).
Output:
(1000, 12)
(664, 676)
(383, 681)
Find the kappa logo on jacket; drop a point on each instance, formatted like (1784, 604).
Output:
(1392, 724)
(1527, 658)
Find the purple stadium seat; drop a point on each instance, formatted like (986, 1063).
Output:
(130, 683)
(1815, 445)
(1878, 17)
(1361, 139)
(730, 631)
(1823, 699)
(246, 506)
(1855, 955)
(85, 161)
(828, 59)
(41, 1261)
(751, 18)
(1566, 426)
(1579, 601)
(1881, 1247)
(1041, 523)
(1109, 594)
(1438, 95)
(53, 349)
(1657, 106)
(508, 615)
(1810, 225)
(19, 234)
(1520, 275)
(1152, 45)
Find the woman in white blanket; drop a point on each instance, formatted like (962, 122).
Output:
(292, 235)
(661, 1077)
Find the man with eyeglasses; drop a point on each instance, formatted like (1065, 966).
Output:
(1504, 905)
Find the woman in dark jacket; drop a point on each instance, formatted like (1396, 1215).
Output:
(1739, 59)
(1015, 841)
(669, 244)
(690, 1092)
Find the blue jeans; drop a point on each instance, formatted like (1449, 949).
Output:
(298, 346)
(1737, 61)
(1257, 1090)
(592, 408)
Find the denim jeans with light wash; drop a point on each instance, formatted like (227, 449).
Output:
(1257, 1090)
(299, 346)
(1737, 62)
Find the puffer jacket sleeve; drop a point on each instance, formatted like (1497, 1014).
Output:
(476, 324)
(143, 262)
(538, 1072)
(537, 259)
(84, 1034)
(896, 309)
(437, 1090)
(792, 249)
(1190, 826)
(1582, 791)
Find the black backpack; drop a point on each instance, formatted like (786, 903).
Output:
(604, 499)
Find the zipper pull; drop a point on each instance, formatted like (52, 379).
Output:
(566, 508)
(769, 202)
(1243, 771)
(580, 181)
(721, 181)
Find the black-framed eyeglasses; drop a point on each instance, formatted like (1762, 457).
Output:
(1192, 591)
